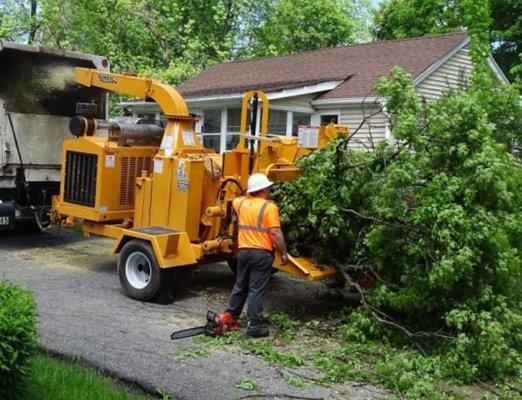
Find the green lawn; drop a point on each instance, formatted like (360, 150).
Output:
(56, 379)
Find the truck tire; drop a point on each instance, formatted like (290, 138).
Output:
(140, 275)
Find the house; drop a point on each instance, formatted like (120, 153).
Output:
(320, 86)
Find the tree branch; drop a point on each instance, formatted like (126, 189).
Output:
(386, 319)
(380, 221)
(277, 395)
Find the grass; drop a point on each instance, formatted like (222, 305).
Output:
(340, 352)
(58, 379)
(263, 348)
(247, 384)
(192, 352)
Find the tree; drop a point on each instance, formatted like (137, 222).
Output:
(398, 19)
(434, 219)
(276, 27)
(19, 20)
(506, 34)
(173, 40)
(410, 18)
(167, 39)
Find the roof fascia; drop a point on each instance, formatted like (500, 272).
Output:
(345, 101)
(497, 71)
(319, 87)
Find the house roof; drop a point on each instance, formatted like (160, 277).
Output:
(358, 66)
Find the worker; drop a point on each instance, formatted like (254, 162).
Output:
(259, 235)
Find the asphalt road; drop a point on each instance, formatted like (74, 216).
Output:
(82, 313)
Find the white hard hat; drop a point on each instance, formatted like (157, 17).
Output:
(258, 182)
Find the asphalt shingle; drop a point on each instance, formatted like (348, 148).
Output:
(358, 66)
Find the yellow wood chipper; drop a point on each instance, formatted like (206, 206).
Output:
(164, 198)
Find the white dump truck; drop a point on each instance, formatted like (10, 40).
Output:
(38, 97)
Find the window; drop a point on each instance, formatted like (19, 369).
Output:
(233, 120)
(211, 134)
(232, 140)
(277, 122)
(212, 121)
(300, 119)
(329, 118)
(233, 127)
(212, 142)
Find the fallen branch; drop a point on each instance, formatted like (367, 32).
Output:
(287, 371)
(379, 221)
(277, 395)
(490, 389)
(513, 387)
(386, 319)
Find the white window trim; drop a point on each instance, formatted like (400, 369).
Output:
(289, 122)
(224, 123)
(199, 121)
(316, 118)
(224, 134)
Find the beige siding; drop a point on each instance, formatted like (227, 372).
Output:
(373, 129)
(297, 103)
(446, 76)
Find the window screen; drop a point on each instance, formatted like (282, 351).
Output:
(329, 118)
(212, 121)
(212, 142)
(277, 122)
(233, 127)
(212, 129)
(300, 119)
(233, 119)
(232, 141)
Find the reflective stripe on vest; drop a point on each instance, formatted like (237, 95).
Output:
(259, 227)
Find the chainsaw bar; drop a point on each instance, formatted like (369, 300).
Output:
(185, 333)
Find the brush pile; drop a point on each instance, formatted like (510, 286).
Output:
(435, 220)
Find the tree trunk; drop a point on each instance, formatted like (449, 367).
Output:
(33, 27)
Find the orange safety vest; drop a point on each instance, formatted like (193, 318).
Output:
(252, 232)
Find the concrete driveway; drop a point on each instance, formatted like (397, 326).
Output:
(82, 313)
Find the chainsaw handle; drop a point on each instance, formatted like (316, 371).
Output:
(212, 317)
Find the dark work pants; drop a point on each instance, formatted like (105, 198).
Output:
(254, 268)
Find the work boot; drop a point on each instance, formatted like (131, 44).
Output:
(258, 333)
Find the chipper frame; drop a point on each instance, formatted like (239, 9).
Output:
(164, 198)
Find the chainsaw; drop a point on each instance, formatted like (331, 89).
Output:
(217, 324)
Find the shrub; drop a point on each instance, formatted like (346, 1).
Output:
(17, 335)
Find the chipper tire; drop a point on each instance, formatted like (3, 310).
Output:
(141, 278)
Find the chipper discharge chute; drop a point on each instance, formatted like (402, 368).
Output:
(164, 198)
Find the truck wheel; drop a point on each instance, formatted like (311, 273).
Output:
(139, 272)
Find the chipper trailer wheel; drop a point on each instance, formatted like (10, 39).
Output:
(140, 275)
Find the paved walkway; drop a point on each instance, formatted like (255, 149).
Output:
(83, 313)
